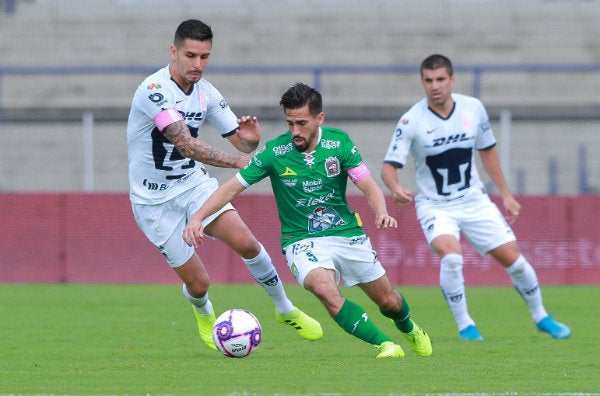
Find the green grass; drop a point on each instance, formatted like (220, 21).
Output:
(141, 340)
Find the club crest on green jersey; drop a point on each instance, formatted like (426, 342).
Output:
(332, 166)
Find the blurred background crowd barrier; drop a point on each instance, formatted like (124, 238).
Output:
(82, 238)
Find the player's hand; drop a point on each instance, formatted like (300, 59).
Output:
(193, 233)
(513, 208)
(402, 196)
(249, 131)
(384, 220)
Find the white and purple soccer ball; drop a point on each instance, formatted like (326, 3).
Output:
(237, 333)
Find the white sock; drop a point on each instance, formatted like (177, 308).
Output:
(201, 304)
(525, 281)
(264, 273)
(452, 283)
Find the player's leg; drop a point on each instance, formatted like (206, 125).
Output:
(312, 266)
(350, 316)
(524, 279)
(359, 265)
(394, 306)
(195, 289)
(441, 229)
(163, 226)
(229, 228)
(489, 232)
(452, 283)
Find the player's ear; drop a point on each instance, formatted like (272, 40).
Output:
(320, 118)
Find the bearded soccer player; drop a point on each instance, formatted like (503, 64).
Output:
(322, 238)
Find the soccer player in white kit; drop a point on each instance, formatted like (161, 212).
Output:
(169, 182)
(442, 132)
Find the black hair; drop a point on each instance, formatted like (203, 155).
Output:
(192, 29)
(436, 61)
(300, 94)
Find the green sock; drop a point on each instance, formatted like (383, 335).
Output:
(401, 318)
(354, 320)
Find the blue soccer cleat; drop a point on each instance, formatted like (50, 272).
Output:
(554, 328)
(470, 333)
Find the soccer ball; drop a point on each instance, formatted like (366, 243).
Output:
(237, 333)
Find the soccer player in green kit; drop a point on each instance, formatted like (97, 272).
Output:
(323, 239)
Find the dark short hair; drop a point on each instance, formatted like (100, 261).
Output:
(300, 94)
(192, 29)
(436, 61)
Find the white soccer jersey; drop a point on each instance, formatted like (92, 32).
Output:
(443, 148)
(157, 171)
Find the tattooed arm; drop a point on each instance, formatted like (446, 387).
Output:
(190, 147)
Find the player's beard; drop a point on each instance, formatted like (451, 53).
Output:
(300, 146)
(193, 78)
(190, 75)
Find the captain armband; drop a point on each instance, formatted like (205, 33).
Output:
(358, 173)
(166, 118)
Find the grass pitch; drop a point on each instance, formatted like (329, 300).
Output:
(142, 340)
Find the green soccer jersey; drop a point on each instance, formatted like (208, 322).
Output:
(310, 192)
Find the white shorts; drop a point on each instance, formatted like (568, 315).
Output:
(163, 223)
(477, 217)
(352, 258)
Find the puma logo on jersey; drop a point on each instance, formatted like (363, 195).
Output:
(288, 172)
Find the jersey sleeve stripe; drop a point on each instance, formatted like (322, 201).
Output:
(488, 147)
(394, 163)
(242, 181)
(230, 133)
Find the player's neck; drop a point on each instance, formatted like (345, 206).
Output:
(443, 110)
(185, 87)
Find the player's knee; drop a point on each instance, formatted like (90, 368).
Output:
(197, 289)
(452, 262)
(390, 304)
(249, 248)
(321, 291)
(326, 291)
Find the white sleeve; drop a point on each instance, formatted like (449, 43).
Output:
(219, 114)
(152, 98)
(485, 136)
(399, 146)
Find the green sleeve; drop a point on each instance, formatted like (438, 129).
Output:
(258, 167)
